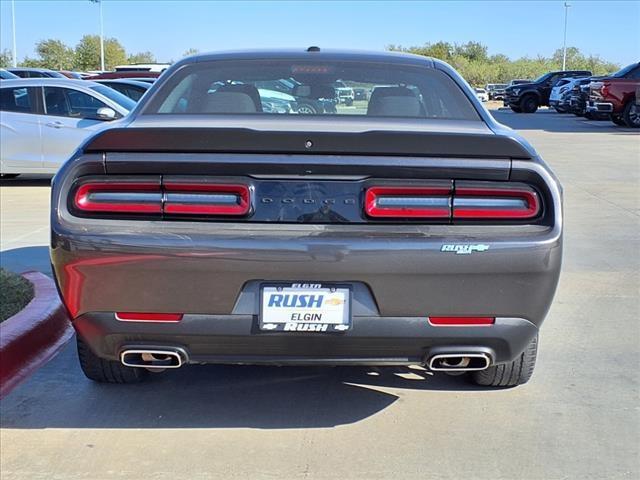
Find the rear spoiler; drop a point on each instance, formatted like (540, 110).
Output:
(243, 140)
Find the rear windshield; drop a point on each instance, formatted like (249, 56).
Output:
(310, 88)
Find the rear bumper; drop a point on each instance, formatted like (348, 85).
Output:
(401, 275)
(236, 339)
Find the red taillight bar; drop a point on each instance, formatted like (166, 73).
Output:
(119, 197)
(460, 321)
(179, 198)
(495, 203)
(206, 199)
(413, 202)
(148, 317)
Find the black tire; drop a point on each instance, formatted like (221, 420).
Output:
(618, 120)
(578, 113)
(349, 102)
(307, 109)
(560, 110)
(106, 371)
(516, 109)
(631, 114)
(8, 176)
(511, 374)
(529, 104)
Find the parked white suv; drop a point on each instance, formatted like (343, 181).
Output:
(43, 121)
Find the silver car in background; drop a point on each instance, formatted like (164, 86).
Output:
(44, 120)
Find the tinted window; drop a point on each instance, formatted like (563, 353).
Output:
(624, 71)
(130, 91)
(313, 88)
(65, 102)
(20, 73)
(114, 96)
(16, 99)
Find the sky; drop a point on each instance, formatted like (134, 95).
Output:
(167, 28)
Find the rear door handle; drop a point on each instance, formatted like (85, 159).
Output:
(55, 124)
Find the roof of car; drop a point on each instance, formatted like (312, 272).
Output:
(41, 82)
(126, 81)
(305, 54)
(31, 69)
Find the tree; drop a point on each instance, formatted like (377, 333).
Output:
(473, 51)
(478, 68)
(191, 51)
(6, 59)
(55, 55)
(142, 57)
(88, 53)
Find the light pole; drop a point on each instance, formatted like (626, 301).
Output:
(99, 2)
(13, 33)
(564, 44)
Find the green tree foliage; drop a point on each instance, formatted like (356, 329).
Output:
(55, 55)
(6, 59)
(191, 51)
(142, 57)
(478, 68)
(88, 53)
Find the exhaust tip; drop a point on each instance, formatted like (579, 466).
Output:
(459, 362)
(153, 358)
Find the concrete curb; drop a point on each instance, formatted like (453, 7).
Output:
(34, 335)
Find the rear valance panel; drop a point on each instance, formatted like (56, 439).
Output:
(242, 140)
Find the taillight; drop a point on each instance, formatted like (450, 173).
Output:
(467, 201)
(148, 317)
(152, 197)
(119, 197)
(411, 202)
(481, 202)
(461, 321)
(206, 199)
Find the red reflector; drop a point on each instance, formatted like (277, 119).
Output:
(122, 197)
(487, 203)
(402, 202)
(451, 321)
(206, 199)
(148, 317)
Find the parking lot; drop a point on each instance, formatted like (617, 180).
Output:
(577, 418)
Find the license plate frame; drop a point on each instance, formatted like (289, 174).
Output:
(316, 327)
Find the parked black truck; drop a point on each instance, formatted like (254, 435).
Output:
(527, 97)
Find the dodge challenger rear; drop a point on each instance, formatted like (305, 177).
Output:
(407, 228)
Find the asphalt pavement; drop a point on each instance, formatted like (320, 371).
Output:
(578, 418)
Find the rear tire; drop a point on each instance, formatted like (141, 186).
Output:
(106, 371)
(529, 104)
(516, 109)
(307, 109)
(631, 114)
(510, 374)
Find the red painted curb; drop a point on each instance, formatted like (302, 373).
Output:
(34, 335)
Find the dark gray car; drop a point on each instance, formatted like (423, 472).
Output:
(412, 230)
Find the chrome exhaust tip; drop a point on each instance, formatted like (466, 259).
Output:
(459, 362)
(153, 358)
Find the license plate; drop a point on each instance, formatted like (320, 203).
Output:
(302, 307)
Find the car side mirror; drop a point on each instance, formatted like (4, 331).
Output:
(106, 113)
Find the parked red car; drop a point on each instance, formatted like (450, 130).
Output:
(618, 95)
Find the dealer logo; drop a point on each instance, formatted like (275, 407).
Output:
(464, 248)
